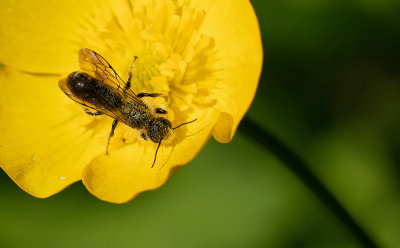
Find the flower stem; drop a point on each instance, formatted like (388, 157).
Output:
(264, 138)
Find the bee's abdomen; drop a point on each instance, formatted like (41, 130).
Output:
(93, 91)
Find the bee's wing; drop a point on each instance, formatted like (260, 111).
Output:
(116, 114)
(95, 65)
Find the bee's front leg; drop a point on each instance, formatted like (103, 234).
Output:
(128, 82)
(140, 95)
(144, 136)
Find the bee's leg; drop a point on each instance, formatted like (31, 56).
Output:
(128, 83)
(161, 111)
(144, 136)
(87, 111)
(149, 95)
(113, 126)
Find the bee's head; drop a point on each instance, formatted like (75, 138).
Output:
(158, 129)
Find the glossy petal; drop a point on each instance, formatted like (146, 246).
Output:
(234, 27)
(43, 147)
(126, 172)
(201, 58)
(40, 36)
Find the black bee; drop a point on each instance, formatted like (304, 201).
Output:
(100, 88)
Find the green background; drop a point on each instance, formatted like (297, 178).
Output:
(330, 88)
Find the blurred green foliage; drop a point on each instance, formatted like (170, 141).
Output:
(330, 89)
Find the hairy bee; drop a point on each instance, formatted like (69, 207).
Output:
(99, 87)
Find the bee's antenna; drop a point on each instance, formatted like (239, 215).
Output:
(184, 124)
(173, 148)
(155, 156)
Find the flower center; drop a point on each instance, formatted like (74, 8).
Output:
(174, 57)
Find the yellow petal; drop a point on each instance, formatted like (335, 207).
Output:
(126, 172)
(43, 145)
(234, 27)
(40, 36)
(49, 141)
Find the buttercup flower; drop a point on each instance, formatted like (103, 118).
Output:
(204, 56)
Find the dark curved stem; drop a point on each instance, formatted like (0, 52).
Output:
(301, 170)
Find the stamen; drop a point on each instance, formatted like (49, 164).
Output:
(174, 56)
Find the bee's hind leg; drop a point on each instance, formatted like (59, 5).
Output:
(113, 126)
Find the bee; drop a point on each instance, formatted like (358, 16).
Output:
(98, 87)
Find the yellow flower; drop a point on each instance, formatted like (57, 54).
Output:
(204, 55)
